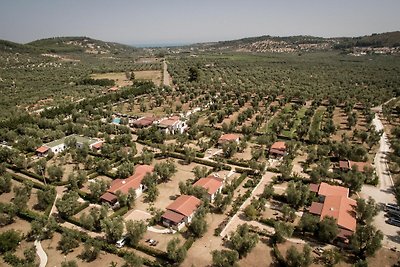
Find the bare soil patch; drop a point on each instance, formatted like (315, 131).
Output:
(246, 154)
(260, 255)
(119, 78)
(19, 225)
(55, 258)
(169, 190)
(153, 75)
(200, 252)
(162, 239)
(297, 164)
(137, 215)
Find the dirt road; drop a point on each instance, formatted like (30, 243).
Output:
(166, 76)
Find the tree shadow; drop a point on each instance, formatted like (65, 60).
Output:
(243, 217)
(395, 238)
(173, 197)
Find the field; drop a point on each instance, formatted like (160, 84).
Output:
(121, 80)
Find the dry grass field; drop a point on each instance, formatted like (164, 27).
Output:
(120, 78)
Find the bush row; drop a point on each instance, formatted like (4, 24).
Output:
(268, 222)
(278, 255)
(188, 243)
(200, 161)
(248, 171)
(83, 206)
(22, 179)
(120, 212)
(27, 173)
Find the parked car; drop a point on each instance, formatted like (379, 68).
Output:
(152, 242)
(318, 251)
(120, 243)
(392, 209)
(390, 206)
(393, 221)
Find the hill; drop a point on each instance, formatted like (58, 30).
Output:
(268, 43)
(80, 44)
(388, 39)
(7, 46)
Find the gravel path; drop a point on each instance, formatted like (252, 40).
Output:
(42, 255)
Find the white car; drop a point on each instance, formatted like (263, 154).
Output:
(120, 243)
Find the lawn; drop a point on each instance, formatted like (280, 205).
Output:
(317, 120)
(299, 116)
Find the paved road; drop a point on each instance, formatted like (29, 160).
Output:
(383, 193)
(42, 255)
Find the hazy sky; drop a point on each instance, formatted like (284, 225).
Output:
(187, 21)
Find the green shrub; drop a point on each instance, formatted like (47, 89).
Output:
(120, 212)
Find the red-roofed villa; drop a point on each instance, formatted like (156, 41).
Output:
(123, 185)
(278, 149)
(228, 138)
(334, 202)
(180, 212)
(212, 184)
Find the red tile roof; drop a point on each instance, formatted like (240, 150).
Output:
(342, 209)
(211, 183)
(277, 151)
(185, 205)
(98, 145)
(344, 164)
(42, 149)
(107, 196)
(170, 121)
(314, 188)
(115, 88)
(359, 165)
(173, 216)
(279, 146)
(143, 122)
(228, 137)
(332, 190)
(348, 165)
(133, 181)
(316, 208)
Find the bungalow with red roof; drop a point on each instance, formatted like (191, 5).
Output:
(346, 165)
(278, 149)
(59, 145)
(172, 125)
(97, 146)
(123, 185)
(113, 89)
(334, 202)
(212, 184)
(143, 122)
(42, 151)
(226, 138)
(180, 212)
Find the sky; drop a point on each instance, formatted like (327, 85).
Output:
(146, 22)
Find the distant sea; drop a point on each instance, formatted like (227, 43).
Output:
(160, 45)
